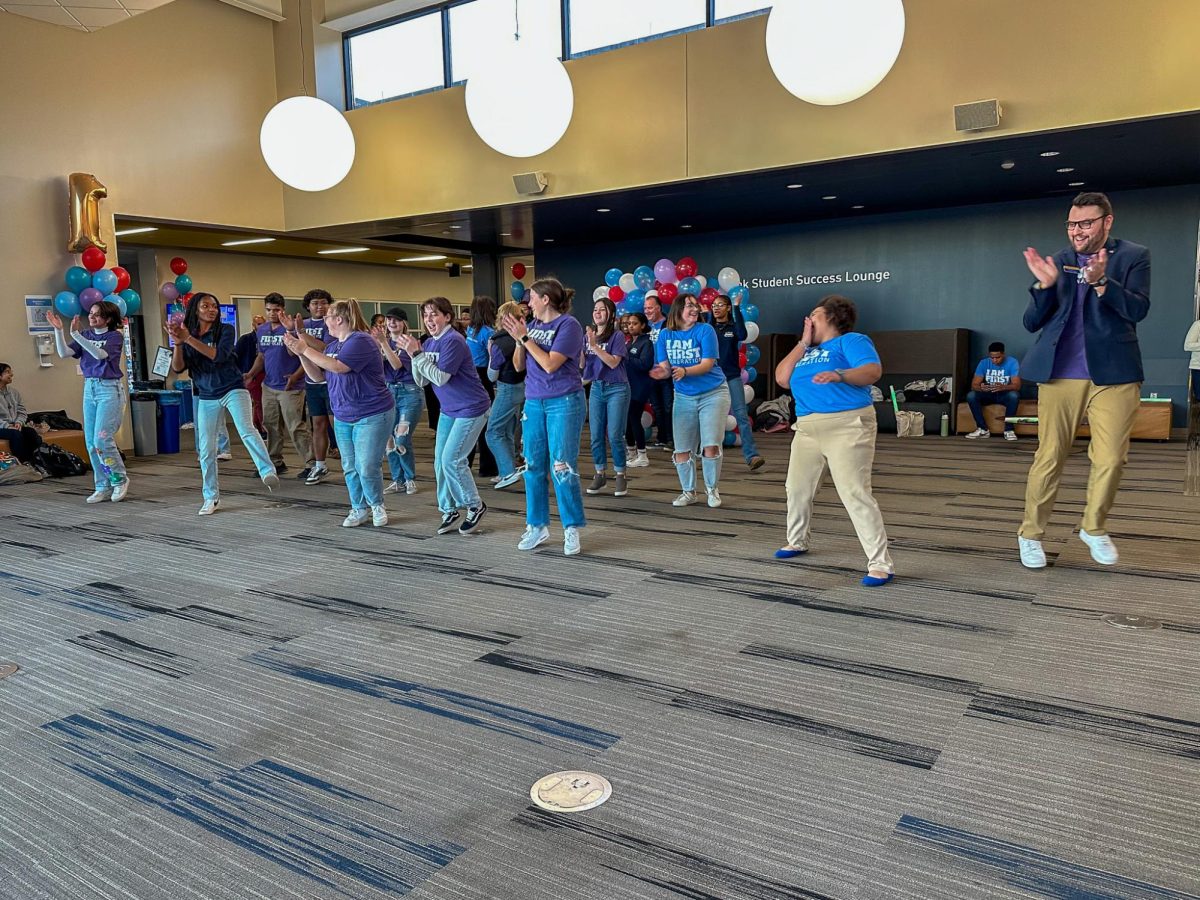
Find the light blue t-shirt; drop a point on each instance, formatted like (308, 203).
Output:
(846, 351)
(690, 348)
(1001, 374)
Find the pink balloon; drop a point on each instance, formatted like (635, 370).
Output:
(169, 292)
(745, 377)
(88, 297)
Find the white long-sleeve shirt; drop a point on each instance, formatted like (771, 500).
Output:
(1192, 343)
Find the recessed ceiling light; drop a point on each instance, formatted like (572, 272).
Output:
(829, 197)
(467, 267)
(434, 258)
(1049, 153)
(858, 206)
(344, 250)
(1008, 164)
(792, 187)
(506, 234)
(1075, 184)
(456, 228)
(603, 209)
(685, 226)
(142, 230)
(247, 241)
(1065, 169)
(647, 218)
(549, 240)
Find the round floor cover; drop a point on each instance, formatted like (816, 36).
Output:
(569, 792)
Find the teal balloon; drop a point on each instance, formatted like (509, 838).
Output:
(105, 281)
(643, 277)
(67, 304)
(753, 354)
(116, 300)
(740, 293)
(730, 439)
(77, 278)
(750, 312)
(133, 301)
(752, 373)
(690, 286)
(517, 291)
(183, 283)
(613, 277)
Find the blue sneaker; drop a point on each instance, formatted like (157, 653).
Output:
(785, 553)
(872, 581)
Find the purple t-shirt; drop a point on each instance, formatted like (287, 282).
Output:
(402, 375)
(595, 369)
(1070, 356)
(562, 335)
(463, 396)
(361, 392)
(318, 329)
(112, 342)
(278, 364)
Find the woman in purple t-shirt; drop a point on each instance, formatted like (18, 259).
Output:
(445, 362)
(548, 351)
(358, 397)
(99, 350)
(608, 402)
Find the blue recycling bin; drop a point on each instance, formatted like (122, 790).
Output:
(169, 405)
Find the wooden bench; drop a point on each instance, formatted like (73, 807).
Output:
(68, 440)
(1152, 422)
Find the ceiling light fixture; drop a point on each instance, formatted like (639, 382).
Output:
(858, 206)
(456, 228)
(833, 51)
(792, 187)
(247, 241)
(433, 258)
(1049, 153)
(1076, 183)
(647, 218)
(549, 240)
(127, 231)
(604, 209)
(344, 250)
(1065, 169)
(506, 234)
(830, 197)
(1008, 164)
(685, 226)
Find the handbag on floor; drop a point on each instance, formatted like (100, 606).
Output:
(910, 424)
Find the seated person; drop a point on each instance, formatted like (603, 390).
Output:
(22, 440)
(996, 381)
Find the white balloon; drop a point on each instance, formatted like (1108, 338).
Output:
(833, 51)
(703, 281)
(751, 332)
(600, 292)
(627, 283)
(519, 76)
(728, 278)
(307, 143)
(730, 423)
(647, 419)
(749, 392)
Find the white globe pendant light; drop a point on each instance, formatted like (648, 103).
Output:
(307, 143)
(520, 100)
(833, 51)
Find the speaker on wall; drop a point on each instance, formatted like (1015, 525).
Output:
(530, 182)
(454, 270)
(977, 116)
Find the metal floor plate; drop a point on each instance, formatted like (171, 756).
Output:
(570, 792)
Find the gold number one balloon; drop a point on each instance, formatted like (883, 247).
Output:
(86, 193)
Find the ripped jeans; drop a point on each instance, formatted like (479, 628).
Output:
(699, 422)
(553, 429)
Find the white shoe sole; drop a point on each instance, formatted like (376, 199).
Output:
(541, 540)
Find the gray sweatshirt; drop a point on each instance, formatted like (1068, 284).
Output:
(12, 410)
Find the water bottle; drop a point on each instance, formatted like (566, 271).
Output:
(945, 424)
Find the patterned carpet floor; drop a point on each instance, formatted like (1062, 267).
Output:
(262, 704)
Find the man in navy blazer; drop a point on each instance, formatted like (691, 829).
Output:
(1085, 305)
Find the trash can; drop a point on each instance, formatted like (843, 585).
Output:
(144, 410)
(185, 406)
(169, 404)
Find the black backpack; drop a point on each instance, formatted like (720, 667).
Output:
(57, 462)
(57, 420)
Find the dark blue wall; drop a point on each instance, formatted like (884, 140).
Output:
(957, 268)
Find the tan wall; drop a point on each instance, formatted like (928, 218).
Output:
(706, 102)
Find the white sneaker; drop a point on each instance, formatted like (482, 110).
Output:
(638, 462)
(506, 480)
(1032, 554)
(1010, 435)
(979, 433)
(1104, 551)
(120, 489)
(379, 516)
(271, 480)
(410, 487)
(687, 498)
(533, 537)
(570, 541)
(714, 497)
(224, 457)
(394, 488)
(209, 507)
(356, 518)
(100, 496)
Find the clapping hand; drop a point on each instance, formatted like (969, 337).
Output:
(176, 330)
(379, 332)
(54, 319)
(514, 326)
(1044, 269)
(1094, 270)
(591, 335)
(408, 343)
(291, 323)
(292, 342)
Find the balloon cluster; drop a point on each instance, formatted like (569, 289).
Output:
(90, 283)
(517, 289)
(666, 280)
(181, 288)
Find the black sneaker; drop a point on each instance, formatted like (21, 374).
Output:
(448, 521)
(471, 523)
(280, 468)
(303, 473)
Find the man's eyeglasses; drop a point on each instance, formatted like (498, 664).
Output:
(1082, 224)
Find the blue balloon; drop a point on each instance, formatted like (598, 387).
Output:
(105, 281)
(750, 312)
(613, 277)
(517, 291)
(77, 278)
(643, 277)
(690, 286)
(636, 296)
(753, 354)
(629, 307)
(67, 304)
(752, 372)
(133, 301)
(739, 292)
(730, 439)
(116, 300)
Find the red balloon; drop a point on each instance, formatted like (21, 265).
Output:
(93, 259)
(710, 294)
(518, 271)
(742, 359)
(178, 265)
(686, 268)
(123, 279)
(615, 294)
(667, 294)
(706, 302)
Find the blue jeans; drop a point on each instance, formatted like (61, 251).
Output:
(103, 409)
(553, 429)
(362, 444)
(608, 411)
(976, 399)
(502, 425)
(409, 399)
(698, 422)
(455, 439)
(740, 412)
(222, 434)
(210, 421)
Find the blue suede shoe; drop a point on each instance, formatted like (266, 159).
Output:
(788, 554)
(872, 581)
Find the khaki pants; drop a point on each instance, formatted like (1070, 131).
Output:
(288, 405)
(1062, 404)
(846, 441)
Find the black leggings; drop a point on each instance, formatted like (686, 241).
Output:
(23, 441)
(635, 434)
